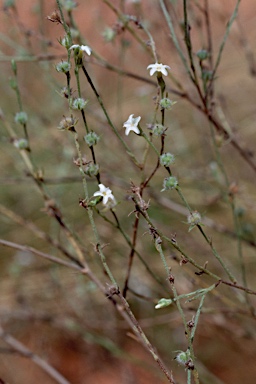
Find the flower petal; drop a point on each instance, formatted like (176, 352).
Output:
(128, 130)
(86, 49)
(152, 71)
(136, 130)
(105, 199)
(74, 46)
(129, 121)
(136, 120)
(102, 188)
(98, 193)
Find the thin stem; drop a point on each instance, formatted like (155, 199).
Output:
(149, 142)
(222, 45)
(125, 21)
(131, 256)
(108, 118)
(25, 248)
(188, 41)
(20, 348)
(159, 249)
(138, 330)
(85, 121)
(174, 37)
(190, 52)
(126, 237)
(90, 214)
(215, 253)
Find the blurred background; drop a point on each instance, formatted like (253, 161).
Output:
(61, 315)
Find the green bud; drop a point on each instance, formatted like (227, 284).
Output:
(203, 54)
(91, 138)
(158, 129)
(167, 159)
(183, 357)
(92, 169)
(63, 66)
(194, 219)
(163, 303)
(206, 75)
(21, 117)
(166, 103)
(21, 144)
(79, 103)
(170, 183)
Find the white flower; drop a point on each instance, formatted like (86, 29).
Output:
(106, 193)
(132, 124)
(158, 67)
(83, 48)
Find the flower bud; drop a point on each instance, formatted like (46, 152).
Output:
(21, 144)
(68, 124)
(79, 103)
(167, 159)
(21, 117)
(166, 103)
(92, 169)
(170, 183)
(163, 303)
(91, 138)
(158, 129)
(207, 75)
(194, 219)
(183, 357)
(63, 66)
(203, 54)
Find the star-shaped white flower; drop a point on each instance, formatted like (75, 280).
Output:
(83, 48)
(158, 67)
(132, 124)
(106, 193)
